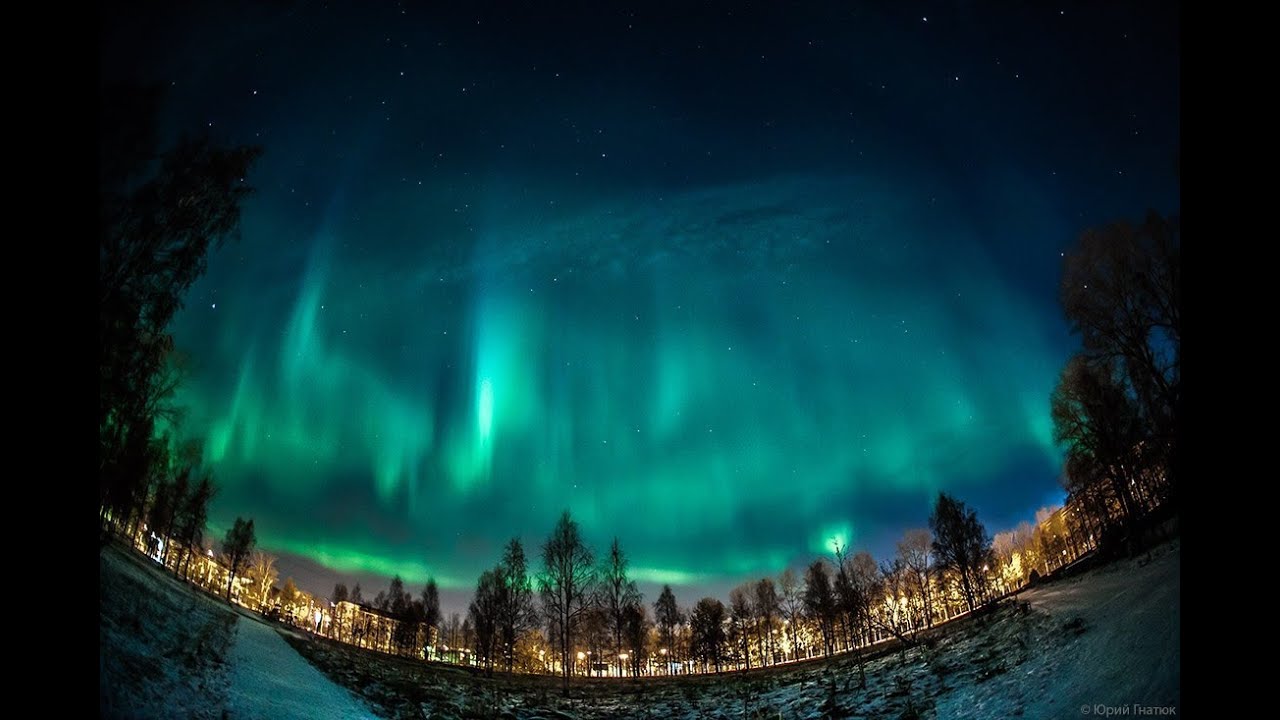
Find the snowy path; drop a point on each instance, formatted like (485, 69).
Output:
(269, 679)
(1129, 653)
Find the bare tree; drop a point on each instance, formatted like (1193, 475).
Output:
(851, 602)
(1122, 292)
(516, 613)
(766, 605)
(820, 602)
(262, 575)
(792, 605)
(483, 615)
(895, 615)
(636, 634)
(914, 551)
(617, 593)
(1100, 425)
(567, 585)
(431, 607)
(669, 618)
(741, 613)
(706, 632)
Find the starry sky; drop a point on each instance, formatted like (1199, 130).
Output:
(725, 280)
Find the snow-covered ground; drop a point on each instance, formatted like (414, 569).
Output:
(167, 650)
(1102, 642)
(161, 645)
(270, 679)
(1107, 639)
(1127, 653)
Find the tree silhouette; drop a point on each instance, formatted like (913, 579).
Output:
(289, 596)
(636, 635)
(766, 606)
(667, 613)
(1122, 292)
(238, 544)
(1101, 427)
(740, 614)
(567, 585)
(617, 593)
(960, 544)
(431, 606)
(792, 606)
(516, 613)
(483, 615)
(706, 631)
(914, 551)
(193, 514)
(160, 215)
(820, 601)
(339, 593)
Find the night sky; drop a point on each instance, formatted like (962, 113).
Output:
(724, 281)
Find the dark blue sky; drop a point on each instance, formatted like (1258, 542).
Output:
(724, 279)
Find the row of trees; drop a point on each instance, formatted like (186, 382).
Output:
(578, 599)
(401, 623)
(170, 527)
(160, 214)
(846, 602)
(577, 615)
(592, 614)
(175, 505)
(1034, 550)
(1117, 403)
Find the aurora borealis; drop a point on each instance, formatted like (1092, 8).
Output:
(724, 285)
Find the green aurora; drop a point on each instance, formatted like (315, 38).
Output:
(727, 283)
(717, 384)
